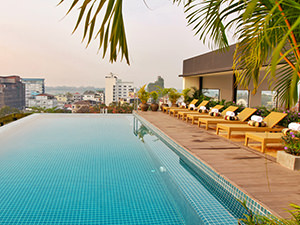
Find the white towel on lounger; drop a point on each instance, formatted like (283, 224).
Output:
(214, 110)
(230, 113)
(294, 126)
(257, 118)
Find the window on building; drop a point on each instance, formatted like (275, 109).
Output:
(212, 93)
(242, 97)
(269, 99)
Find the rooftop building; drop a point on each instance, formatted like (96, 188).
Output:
(12, 92)
(212, 73)
(116, 89)
(33, 86)
(43, 101)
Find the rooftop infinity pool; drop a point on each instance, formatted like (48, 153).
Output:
(102, 169)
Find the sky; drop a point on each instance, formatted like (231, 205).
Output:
(36, 41)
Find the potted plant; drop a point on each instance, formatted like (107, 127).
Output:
(163, 92)
(143, 95)
(187, 95)
(290, 157)
(154, 96)
(174, 95)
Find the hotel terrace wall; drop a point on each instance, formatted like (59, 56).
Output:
(213, 70)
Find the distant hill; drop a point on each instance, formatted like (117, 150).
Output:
(64, 89)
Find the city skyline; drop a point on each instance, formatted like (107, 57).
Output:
(36, 42)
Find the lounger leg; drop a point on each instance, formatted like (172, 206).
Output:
(187, 119)
(206, 126)
(229, 134)
(217, 131)
(199, 123)
(263, 146)
(246, 141)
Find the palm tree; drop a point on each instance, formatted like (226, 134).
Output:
(267, 33)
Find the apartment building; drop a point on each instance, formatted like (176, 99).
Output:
(33, 86)
(12, 92)
(43, 101)
(97, 96)
(116, 89)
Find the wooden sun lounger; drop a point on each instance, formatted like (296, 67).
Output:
(263, 138)
(271, 120)
(230, 108)
(166, 109)
(195, 115)
(176, 111)
(242, 117)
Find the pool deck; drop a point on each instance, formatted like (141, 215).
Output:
(258, 175)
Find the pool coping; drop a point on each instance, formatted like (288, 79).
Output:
(253, 204)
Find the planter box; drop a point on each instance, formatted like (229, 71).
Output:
(289, 161)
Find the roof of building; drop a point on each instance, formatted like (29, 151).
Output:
(89, 93)
(33, 79)
(81, 103)
(51, 96)
(211, 62)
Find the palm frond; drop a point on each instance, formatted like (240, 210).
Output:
(111, 32)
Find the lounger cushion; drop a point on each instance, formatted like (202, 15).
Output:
(230, 117)
(257, 124)
(214, 114)
(286, 131)
(203, 111)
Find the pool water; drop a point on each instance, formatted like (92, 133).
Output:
(93, 169)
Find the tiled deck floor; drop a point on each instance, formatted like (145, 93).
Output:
(263, 179)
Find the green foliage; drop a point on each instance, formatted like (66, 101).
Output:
(143, 95)
(291, 143)
(262, 111)
(50, 110)
(187, 95)
(12, 117)
(253, 219)
(154, 96)
(266, 31)
(6, 110)
(196, 93)
(142, 131)
(292, 116)
(162, 92)
(174, 95)
(111, 32)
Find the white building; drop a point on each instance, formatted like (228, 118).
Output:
(33, 86)
(116, 89)
(76, 97)
(43, 100)
(97, 96)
